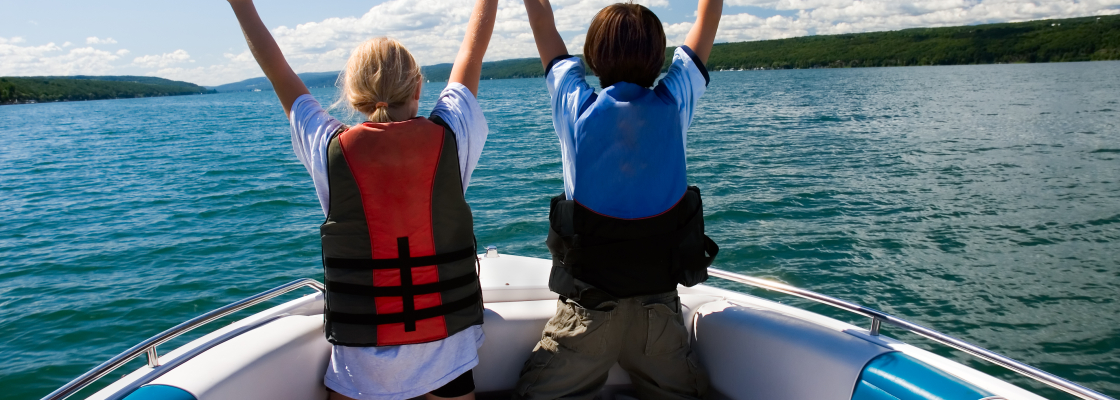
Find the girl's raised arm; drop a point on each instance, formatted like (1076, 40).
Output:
(468, 64)
(549, 43)
(285, 82)
(703, 33)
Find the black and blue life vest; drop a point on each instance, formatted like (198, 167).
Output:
(633, 226)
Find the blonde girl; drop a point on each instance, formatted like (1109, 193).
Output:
(403, 305)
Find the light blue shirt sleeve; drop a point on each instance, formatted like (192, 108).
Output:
(686, 82)
(458, 107)
(568, 91)
(311, 132)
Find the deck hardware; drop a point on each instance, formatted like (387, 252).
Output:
(153, 357)
(874, 326)
(877, 316)
(491, 251)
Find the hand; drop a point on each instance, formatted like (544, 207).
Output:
(285, 82)
(549, 43)
(703, 32)
(468, 64)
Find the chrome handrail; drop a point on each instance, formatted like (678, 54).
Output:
(149, 346)
(879, 316)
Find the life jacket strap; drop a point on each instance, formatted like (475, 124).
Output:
(406, 317)
(620, 250)
(403, 262)
(400, 291)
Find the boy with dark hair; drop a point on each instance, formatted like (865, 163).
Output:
(628, 228)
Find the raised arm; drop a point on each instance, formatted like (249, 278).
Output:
(549, 43)
(285, 82)
(468, 64)
(703, 32)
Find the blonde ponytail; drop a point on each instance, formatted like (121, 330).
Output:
(381, 74)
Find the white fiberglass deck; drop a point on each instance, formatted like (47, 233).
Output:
(753, 348)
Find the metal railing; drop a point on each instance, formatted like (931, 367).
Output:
(149, 346)
(877, 317)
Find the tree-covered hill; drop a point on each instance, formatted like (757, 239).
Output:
(1076, 39)
(41, 89)
(505, 69)
(1058, 40)
(311, 79)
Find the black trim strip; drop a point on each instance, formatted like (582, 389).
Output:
(408, 302)
(400, 291)
(416, 315)
(699, 64)
(555, 60)
(394, 263)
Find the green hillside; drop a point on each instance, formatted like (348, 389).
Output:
(505, 69)
(1076, 39)
(42, 89)
(311, 79)
(1058, 40)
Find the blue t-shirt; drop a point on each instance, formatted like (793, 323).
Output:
(623, 149)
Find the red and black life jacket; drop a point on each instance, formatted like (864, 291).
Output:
(398, 242)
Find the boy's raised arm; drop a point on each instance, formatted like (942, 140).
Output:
(468, 64)
(549, 43)
(285, 82)
(703, 32)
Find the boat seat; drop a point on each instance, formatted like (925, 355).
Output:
(513, 330)
(282, 359)
(752, 352)
(897, 376)
(286, 358)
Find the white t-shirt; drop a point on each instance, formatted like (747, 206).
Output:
(407, 371)
(686, 81)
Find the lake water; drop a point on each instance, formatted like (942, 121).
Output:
(983, 201)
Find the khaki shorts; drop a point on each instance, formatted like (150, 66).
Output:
(644, 334)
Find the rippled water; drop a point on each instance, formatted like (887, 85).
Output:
(983, 201)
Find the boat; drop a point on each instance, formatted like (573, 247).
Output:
(753, 348)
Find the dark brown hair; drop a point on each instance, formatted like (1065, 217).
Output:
(625, 43)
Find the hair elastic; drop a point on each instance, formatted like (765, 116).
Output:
(380, 104)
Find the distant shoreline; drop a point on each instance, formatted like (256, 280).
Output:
(51, 89)
(1044, 41)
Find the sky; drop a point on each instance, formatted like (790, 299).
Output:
(199, 41)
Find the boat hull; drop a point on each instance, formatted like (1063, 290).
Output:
(753, 348)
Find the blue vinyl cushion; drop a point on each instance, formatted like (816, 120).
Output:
(159, 392)
(897, 376)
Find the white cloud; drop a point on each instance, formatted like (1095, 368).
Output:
(96, 40)
(237, 67)
(433, 30)
(162, 60)
(51, 59)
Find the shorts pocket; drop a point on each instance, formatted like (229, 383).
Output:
(666, 333)
(578, 329)
(531, 372)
